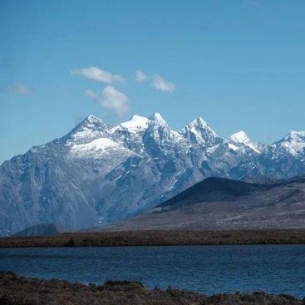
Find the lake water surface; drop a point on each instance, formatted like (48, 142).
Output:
(205, 269)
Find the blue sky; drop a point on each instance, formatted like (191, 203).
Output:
(239, 64)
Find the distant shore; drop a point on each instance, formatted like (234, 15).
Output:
(16, 289)
(158, 238)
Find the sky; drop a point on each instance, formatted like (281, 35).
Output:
(238, 64)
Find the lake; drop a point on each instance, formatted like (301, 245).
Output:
(205, 269)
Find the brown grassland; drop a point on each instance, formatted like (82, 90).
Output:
(18, 290)
(158, 238)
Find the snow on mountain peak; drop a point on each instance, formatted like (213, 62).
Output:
(92, 122)
(87, 130)
(199, 132)
(92, 119)
(138, 118)
(157, 117)
(198, 122)
(295, 135)
(294, 142)
(242, 138)
(239, 137)
(136, 123)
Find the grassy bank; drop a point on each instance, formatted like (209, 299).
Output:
(18, 290)
(159, 238)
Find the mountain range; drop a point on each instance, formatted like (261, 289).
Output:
(97, 174)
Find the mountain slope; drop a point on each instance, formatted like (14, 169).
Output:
(215, 189)
(94, 175)
(222, 204)
(99, 174)
(44, 229)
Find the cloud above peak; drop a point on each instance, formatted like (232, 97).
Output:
(99, 75)
(140, 76)
(111, 98)
(161, 84)
(20, 89)
(157, 81)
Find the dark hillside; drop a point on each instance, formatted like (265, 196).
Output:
(216, 189)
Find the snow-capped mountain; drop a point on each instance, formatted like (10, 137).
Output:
(293, 144)
(98, 174)
(90, 129)
(240, 140)
(198, 132)
(284, 158)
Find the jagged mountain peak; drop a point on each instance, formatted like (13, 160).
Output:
(198, 122)
(89, 129)
(294, 142)
(157, 117)
(199, 132)
(135, 124)
(295, 136)
(201, 124)
(239, 137)
(137, 117)
(92, 119)
(92, 122)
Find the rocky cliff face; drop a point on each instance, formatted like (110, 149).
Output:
(96, 175)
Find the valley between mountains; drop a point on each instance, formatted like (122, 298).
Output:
(98, 175)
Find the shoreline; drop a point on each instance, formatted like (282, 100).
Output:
(159, 238)
(21, 290)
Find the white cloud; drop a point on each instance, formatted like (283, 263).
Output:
(140, 76)
(112, 99)
(161, 84)
(20, 89)
(157, 81)
(99, 75)
(91, 93)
